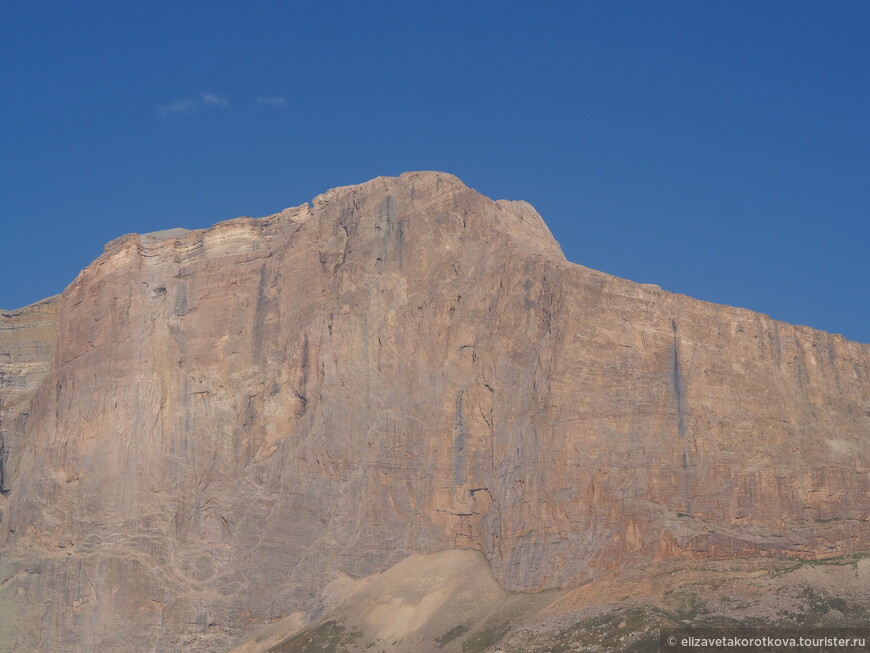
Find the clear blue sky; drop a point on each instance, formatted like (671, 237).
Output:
(720, 150)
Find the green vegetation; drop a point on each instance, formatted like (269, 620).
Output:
(328, 637)
(852, 560)
(484, 638)
(634, 629)
(452, 634)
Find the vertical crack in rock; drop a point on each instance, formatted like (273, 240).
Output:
(3, 455)
(387, 212)
(181, 439)
(678, 386)
(302, 391)
(262, 307)
(460, 441)
(679, 394)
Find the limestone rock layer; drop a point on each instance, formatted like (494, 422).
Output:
(217, 424)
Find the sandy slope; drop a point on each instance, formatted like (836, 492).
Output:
(450, 602)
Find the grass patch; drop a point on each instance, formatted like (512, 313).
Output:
(453, 633)
(634, 629)
(328, 637)
(852, 559)
(484, 638)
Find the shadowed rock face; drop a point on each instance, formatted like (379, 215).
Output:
(236, 416)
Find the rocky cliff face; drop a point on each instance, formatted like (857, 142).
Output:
(27, 345)
(235, 417)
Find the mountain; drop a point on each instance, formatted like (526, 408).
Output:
(265, 431)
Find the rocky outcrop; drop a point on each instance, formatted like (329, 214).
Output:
(235, 417)
(27, 343)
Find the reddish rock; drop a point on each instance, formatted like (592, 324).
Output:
(236, 416)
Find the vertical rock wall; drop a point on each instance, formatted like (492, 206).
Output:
(237, 416)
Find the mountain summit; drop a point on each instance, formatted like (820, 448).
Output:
(211, 431)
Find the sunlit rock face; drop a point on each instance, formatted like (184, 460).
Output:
(219, 423)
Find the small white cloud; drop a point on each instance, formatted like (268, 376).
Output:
(189, 105)
(177, 106)
(277, 101)
(212, 100)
